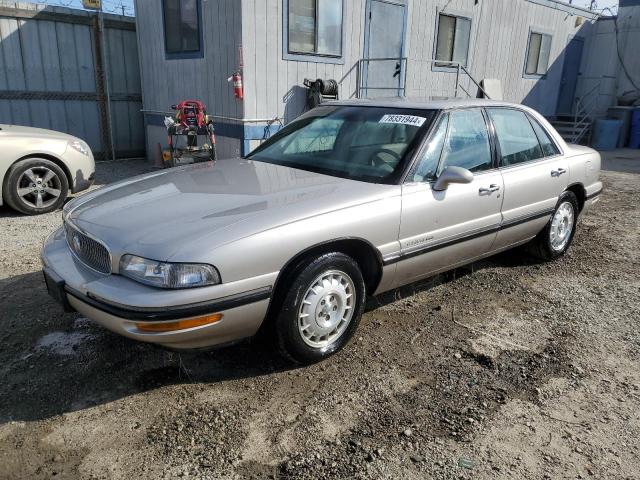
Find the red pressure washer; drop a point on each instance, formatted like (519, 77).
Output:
(191, 122)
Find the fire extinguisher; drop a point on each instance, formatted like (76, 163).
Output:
(238, 90)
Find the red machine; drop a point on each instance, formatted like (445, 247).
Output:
(191, 122)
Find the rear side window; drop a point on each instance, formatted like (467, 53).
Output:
(516, 138)
(548, 147)
(467, 143)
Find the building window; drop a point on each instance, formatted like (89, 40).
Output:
(315, 27)
(538, 54)
(452, 43)
(182, 32)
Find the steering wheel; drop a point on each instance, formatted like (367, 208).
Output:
(378, 162)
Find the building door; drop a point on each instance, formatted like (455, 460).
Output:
(383, 68)
(570, 72)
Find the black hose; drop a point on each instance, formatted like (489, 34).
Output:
(328, 87)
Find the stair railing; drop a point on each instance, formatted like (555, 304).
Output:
(585, 107)
(362, 80)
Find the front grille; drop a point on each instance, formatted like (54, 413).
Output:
(87, 250)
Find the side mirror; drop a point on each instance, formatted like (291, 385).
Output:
(174, 107)
(452, 175)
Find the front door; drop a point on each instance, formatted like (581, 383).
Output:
(442, 229)
(570, 72)
(383, 68)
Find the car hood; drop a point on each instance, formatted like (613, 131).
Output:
(210, 204)
(20, 131)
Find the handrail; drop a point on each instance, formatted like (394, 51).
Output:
(403, 61)
(474, 81)
(402, 83)
(586, 104)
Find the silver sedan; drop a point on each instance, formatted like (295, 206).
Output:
(39, 168)
(351, 199)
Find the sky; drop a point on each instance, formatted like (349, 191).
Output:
(109, 6)
(600, 4)
(116, 6)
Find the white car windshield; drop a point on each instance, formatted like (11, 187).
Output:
(363, 143)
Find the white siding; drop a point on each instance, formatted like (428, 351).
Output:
(499, 37)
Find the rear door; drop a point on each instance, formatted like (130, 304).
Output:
(441, 229)
(534, 172)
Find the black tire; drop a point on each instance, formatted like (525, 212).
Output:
(290, 340)
(541, 246)
(16, 179)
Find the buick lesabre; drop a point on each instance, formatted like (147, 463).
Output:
(352, 199)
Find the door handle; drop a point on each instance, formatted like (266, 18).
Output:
(491, 188)
(397, 70)
(558, 172)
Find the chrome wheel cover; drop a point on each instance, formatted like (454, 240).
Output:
(326, 309)
(39, 187)
(561, 226)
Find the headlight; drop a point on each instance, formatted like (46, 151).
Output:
(80, 146)
(168, 275)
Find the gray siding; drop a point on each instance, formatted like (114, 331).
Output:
(499, 37)
(273, 86)
(168, 81)
(48, 55)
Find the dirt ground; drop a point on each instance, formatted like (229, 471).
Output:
(507, 369)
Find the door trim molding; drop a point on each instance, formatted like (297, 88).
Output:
(447, 242)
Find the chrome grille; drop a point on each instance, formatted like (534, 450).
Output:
(89, 251)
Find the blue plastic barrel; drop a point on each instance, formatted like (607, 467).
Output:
(634, 135)
(605, 133)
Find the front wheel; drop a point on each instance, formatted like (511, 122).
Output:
(322, 309)
(556, 237)
(35, 185)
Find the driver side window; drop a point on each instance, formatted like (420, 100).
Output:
(428, 165)
(467, 143)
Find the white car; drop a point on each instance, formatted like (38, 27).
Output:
(39, 168)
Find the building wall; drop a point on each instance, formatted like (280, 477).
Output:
(629, 40)
(168, 81)
(273, 84)
(598, 72)
(48, 74)
(499, 38)
(602, 77)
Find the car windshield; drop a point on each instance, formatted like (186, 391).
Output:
(369, 144)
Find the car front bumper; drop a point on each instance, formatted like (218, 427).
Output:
(96, 296)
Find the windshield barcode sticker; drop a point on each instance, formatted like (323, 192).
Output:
(403, 120)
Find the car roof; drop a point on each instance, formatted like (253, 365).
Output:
(434, 103)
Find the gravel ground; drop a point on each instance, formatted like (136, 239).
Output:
(507, 369)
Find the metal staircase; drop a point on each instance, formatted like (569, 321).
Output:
(576, 128)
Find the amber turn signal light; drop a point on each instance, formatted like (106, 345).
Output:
(159, 327)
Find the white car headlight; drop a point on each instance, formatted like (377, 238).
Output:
(80, 146)
(168, 275)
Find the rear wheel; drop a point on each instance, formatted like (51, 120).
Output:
(35, 186)
(555, 239)
(322, 308)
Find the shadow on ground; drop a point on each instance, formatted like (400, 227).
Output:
(90, 366)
